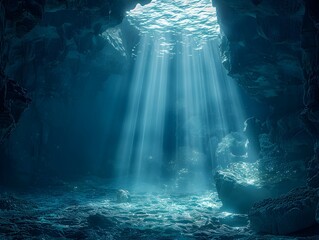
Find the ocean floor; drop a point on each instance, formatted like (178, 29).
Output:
(89, 210)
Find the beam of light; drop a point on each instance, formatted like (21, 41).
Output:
(150, 145)
(207, 105)
(224, 89)
(124, 156)
(141, 147)
(194, 117)
(209, 97)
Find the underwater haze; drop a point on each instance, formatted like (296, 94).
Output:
(185, 119)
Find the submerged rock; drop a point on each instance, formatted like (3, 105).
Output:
(240, 186)
(123, 196)
(287, 214)
(236, 195)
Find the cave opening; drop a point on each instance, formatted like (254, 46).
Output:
(159, 119)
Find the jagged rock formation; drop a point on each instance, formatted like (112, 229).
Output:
(310, 45)
(243, 184)
(238, 196)
(32, 36)
(287, 214)
(270, 48)
(123, 196)
(260, 45)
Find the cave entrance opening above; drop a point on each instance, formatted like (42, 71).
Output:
(169, 20)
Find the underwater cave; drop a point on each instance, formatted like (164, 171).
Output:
(159, 119)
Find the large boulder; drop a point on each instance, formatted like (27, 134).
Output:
(264, 59)
(241, 185)
(287, 214)
(123, 196)
(238, 196)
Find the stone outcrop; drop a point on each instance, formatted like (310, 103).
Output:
(260, 46)
(238, 196)
(39, 33)
(52, 53)
(43, 33)
(243, 184)
(123, 196)
(287, 214)
(310, 46)
(270, 48)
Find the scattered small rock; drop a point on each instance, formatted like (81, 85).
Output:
(123, 196)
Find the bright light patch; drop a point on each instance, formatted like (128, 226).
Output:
(196, 19)
(244, 173)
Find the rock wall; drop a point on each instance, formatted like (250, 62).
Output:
(310, 46)
(38, 33)
(286, 214)
(270, 48)
(261, 46)
(55, 57)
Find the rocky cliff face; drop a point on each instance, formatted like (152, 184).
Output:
(261, 46)
(271, 49)
(46, 34)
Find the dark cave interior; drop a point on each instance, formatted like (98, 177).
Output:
(140, 119)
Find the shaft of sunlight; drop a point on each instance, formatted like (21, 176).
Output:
(126, 145)
(205, 100)
(150, 145)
